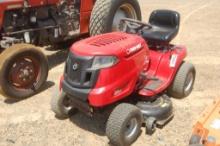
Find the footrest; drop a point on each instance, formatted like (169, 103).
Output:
(154, 84)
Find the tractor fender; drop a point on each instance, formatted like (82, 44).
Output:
(170, 63)
(164, 66)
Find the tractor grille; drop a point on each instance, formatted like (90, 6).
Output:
(78, 73)
(103, 41)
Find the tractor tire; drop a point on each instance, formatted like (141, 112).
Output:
(183, 82)
(106, 14)
(60, 105)
(124, 125)
(24, 69)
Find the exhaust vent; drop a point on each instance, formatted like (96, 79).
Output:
(103, 41)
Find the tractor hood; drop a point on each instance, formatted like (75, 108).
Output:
(116, 43)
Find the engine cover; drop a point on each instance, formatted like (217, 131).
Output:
(117, 43)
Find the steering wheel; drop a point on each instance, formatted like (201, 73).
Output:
(133, 26)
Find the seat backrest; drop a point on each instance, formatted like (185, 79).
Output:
(165, 18)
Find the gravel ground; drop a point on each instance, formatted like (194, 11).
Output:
(30, 122)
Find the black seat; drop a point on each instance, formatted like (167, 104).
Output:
(165, 26)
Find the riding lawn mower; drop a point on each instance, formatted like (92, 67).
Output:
(135, 71)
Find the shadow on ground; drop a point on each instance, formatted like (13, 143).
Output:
(95, 124)
(46, 86)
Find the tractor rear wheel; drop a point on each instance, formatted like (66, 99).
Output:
(106, 14)
(23, 70)
(183, 82)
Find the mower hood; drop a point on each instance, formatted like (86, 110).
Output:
(115, 44)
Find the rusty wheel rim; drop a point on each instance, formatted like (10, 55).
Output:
(24, 72)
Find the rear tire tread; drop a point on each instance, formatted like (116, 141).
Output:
(176, 90)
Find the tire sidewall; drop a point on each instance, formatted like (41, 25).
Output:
(137, 115)
(177, 88)
(191, 88)
(60, 104)
(43, 73)
(115, 6)
(103, 13)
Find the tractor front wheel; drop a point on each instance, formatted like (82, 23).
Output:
(61, 105)
(124, 125)
(106, 14)
(23, 70)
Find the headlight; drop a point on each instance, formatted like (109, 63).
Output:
(104, 62)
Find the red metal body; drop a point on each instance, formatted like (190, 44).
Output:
(85, 10)
(122, 76)
(160, 68)
(120, 80)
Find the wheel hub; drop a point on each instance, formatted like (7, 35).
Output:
(67, 104)
(189, 82)
(125, 11)
(24, 72)
(131, 128)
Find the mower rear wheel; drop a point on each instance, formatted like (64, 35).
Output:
(124, 125)
(106, 14)
(183, 82)
(60, 105)
(23, 70)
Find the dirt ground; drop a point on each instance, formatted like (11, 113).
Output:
(30, 122)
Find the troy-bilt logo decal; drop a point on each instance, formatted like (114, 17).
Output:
(134, 49)
(75, 66)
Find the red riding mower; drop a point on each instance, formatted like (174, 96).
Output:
(137, 71)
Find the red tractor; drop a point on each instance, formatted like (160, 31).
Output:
(26, 24)
(136, 71)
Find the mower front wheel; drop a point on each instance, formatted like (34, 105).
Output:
(124, 125)
(183, 82)
(61, 106)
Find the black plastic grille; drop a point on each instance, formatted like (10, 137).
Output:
(78, 71)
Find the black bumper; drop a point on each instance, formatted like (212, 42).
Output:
(79, 93)
(78, 98)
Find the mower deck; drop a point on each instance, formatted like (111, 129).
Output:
(161, 109)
